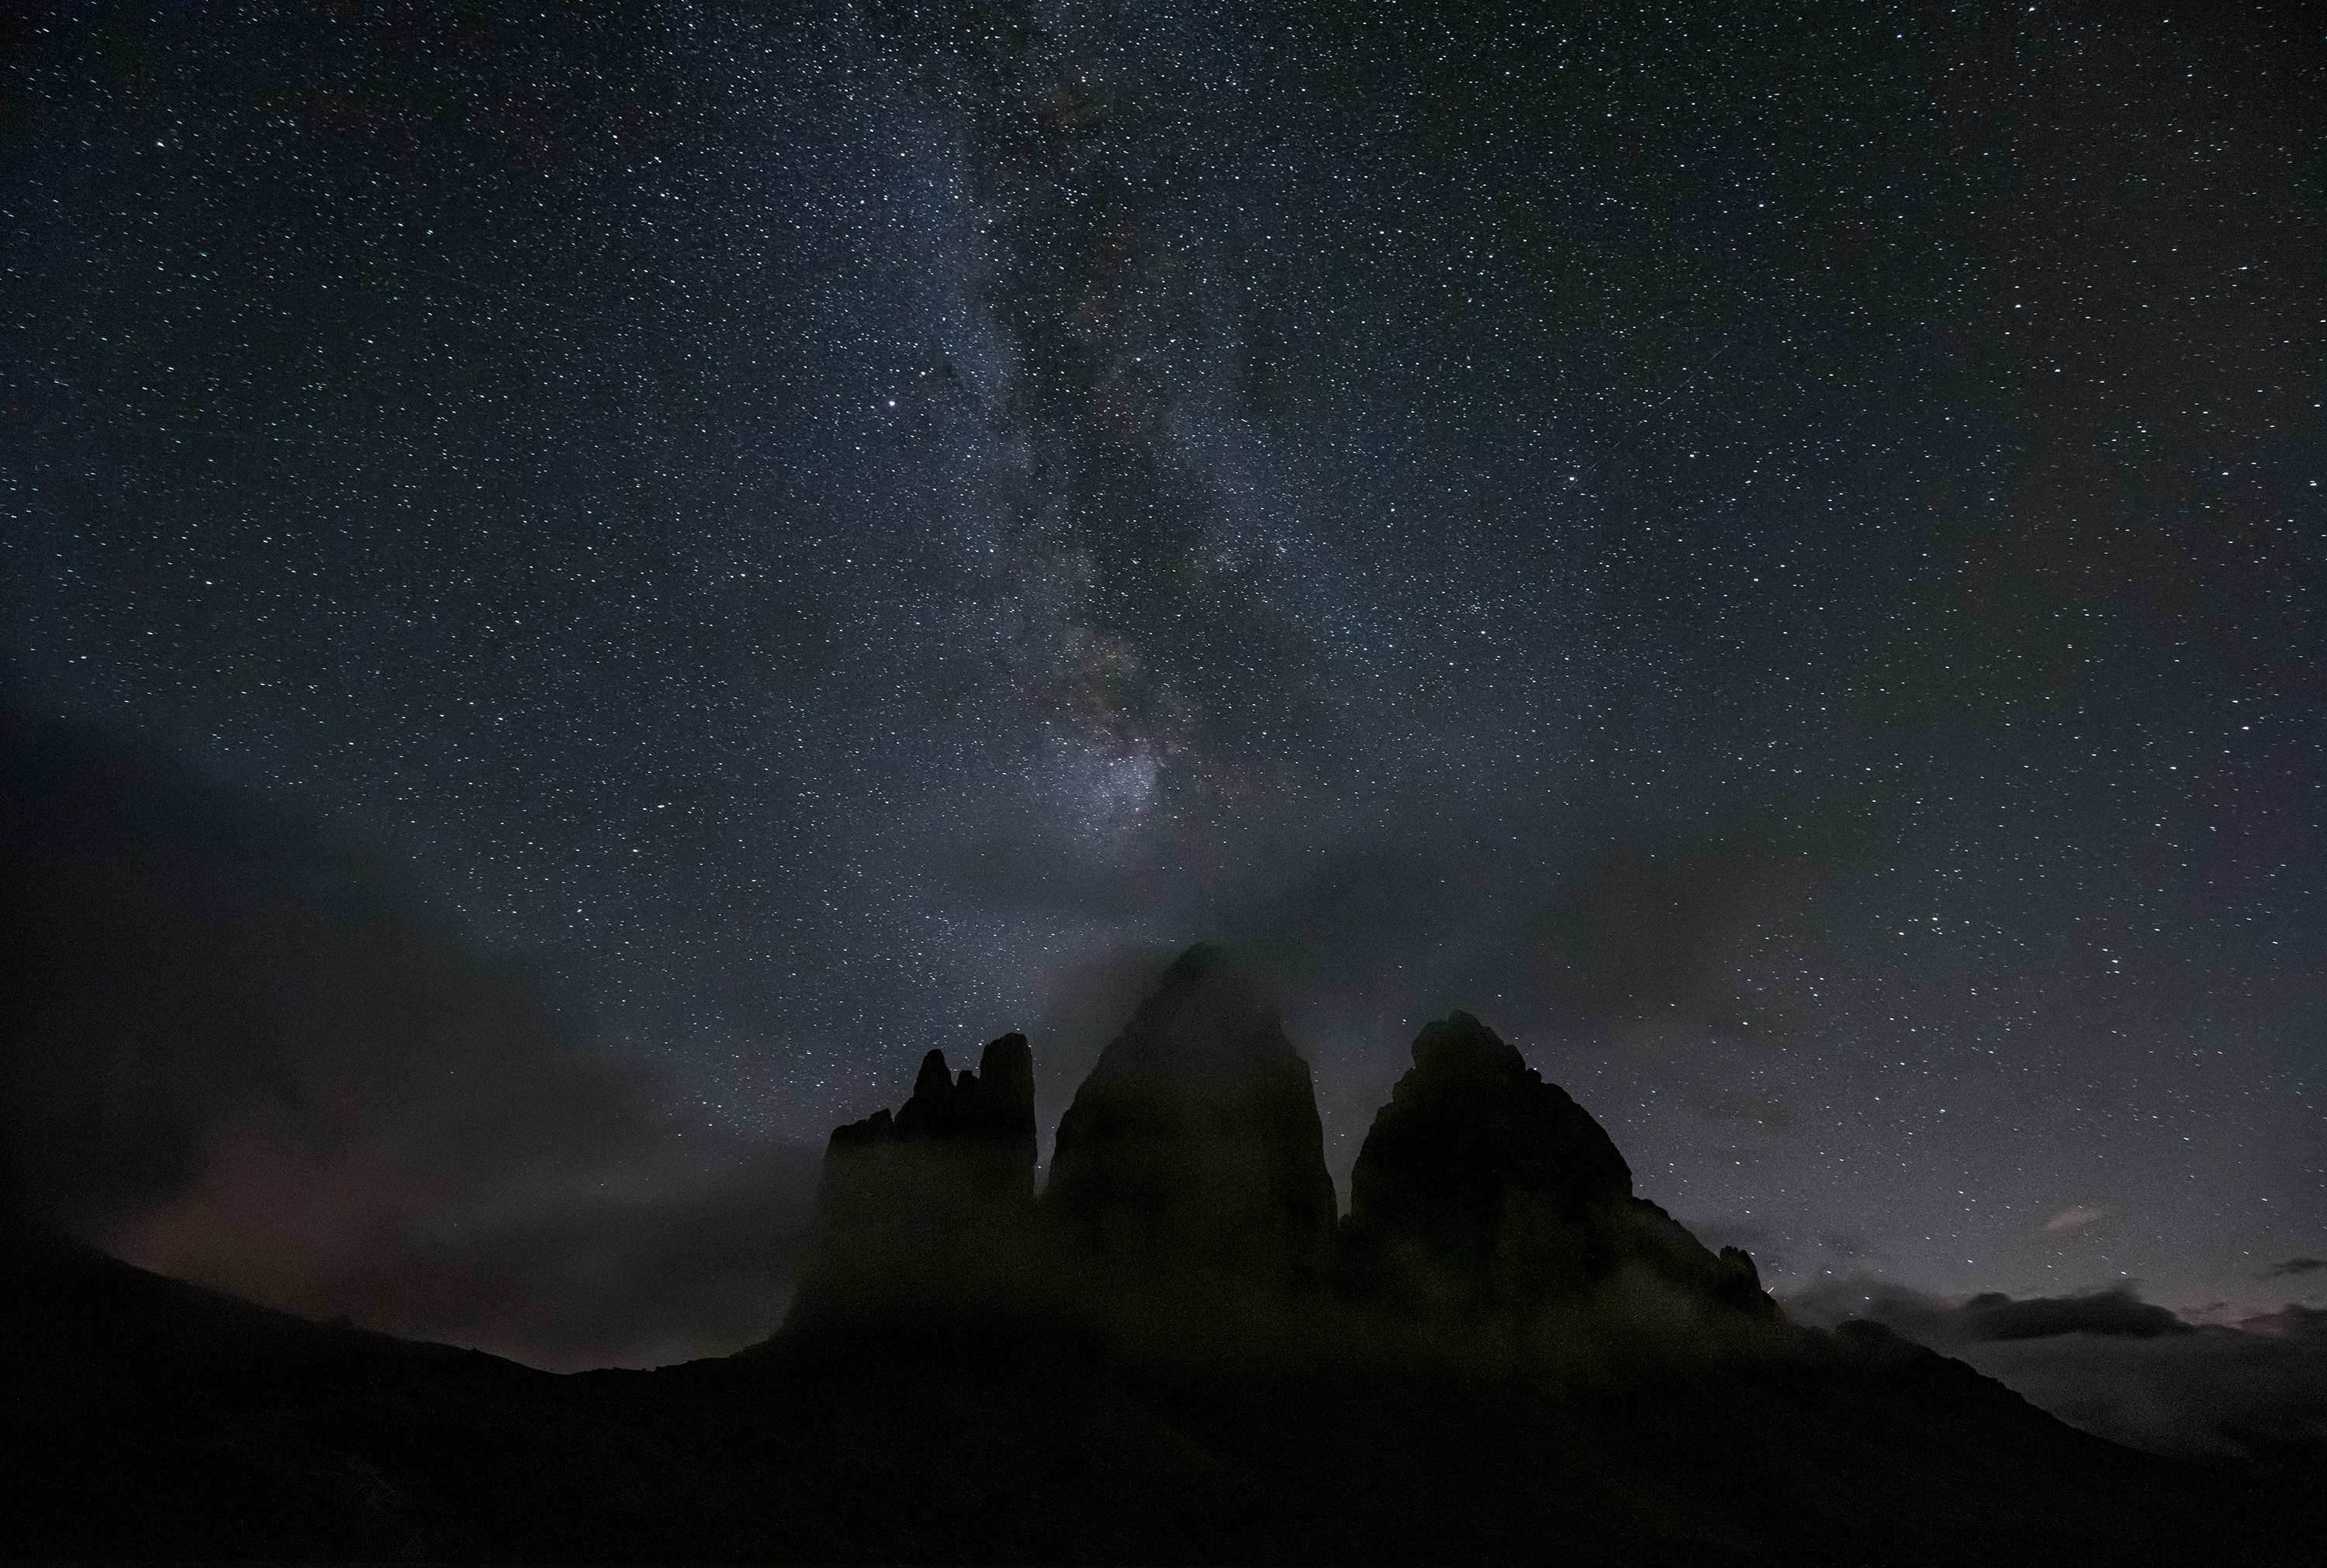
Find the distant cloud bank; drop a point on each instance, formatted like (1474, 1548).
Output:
(237, 1048)
(2119, 1366)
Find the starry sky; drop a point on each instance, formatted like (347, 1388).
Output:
(1779, 563)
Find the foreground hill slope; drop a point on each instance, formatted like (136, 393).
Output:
(159, 1420)
(1515, 1359)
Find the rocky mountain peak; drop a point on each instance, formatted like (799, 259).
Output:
(928, 1206)
(1470, 1120)
(986, 1118)
(1194, 1148)
(1483, 1188)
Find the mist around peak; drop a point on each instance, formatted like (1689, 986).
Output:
(1194, 1150)
(1175, 1353)
(1491, 1215)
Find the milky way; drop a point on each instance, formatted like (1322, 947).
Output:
(1778, 566)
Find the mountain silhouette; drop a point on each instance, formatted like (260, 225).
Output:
(1481, 1189)
(1192, 1156)
(932, 1208)
(1501, 1355)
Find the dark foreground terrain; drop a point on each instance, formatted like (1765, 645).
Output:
(149, 1419)
(1176, 1353)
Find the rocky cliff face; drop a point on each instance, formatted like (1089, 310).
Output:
(1483, 1189)
(1189, 1169)
(1193, 1150)
(1478, 1180)
(980, 1123)
(931, 1208)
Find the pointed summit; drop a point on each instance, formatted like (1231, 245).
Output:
(1204, 1008)
(1194, 1150)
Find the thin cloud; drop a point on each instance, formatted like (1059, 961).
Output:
(2071, 1224)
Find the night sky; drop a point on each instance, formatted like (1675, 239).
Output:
(1781, 564)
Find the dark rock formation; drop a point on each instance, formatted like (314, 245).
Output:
(1475, 1169)
(929, 1208)
(1482, 1187)
(980, 1123)
(153, 1420)
(1194, 1150)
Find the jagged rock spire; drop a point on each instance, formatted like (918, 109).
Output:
(983, 1121)
(1189, 1172)
(928, 1207)
(1194, 1150)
